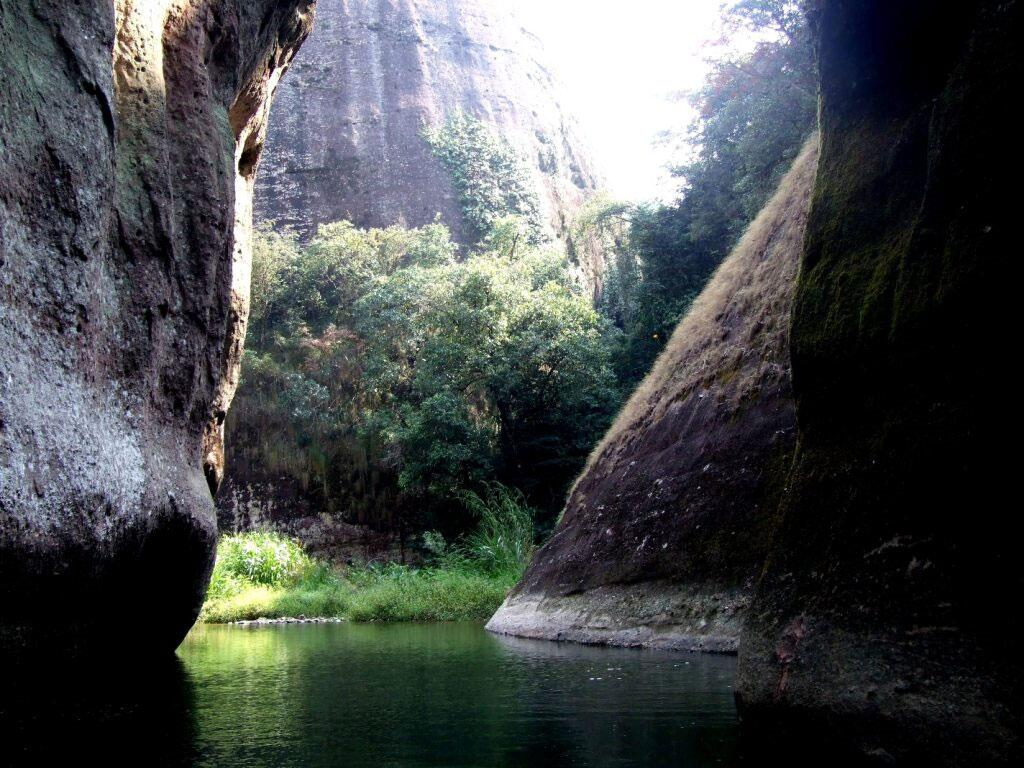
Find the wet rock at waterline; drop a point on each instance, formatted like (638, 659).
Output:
(667, 528)
(886, 620)
(129, 136)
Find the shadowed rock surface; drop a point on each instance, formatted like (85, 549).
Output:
(886, 621)
(346, 140)
(667, 528)
(129, 136)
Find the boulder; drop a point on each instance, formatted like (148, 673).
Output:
(666, 530)
(883, 627)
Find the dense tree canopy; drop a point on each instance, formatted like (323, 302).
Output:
(391, 374)
(441, 374)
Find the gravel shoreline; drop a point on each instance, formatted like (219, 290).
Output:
(263, 621)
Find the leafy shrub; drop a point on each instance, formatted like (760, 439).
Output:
(266, 574)
(269, 575)
(489, 176)
(262, 558)
(434, 544)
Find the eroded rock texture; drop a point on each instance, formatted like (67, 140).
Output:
(346, 140)
(666, 530)
(129, 134)
(886, 621)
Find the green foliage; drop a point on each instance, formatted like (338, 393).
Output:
(267, 574)
(388, 379)
(489, 176)
(318, 285)
(263, 557)
(444, 446)
(400, 593)
(261, 575)
(435, 545)
(297, 412)
(754, 112)
(501, 370)
(503, 540)
(274, 251)
(394, 383)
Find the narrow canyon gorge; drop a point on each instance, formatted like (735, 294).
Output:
(813, 476)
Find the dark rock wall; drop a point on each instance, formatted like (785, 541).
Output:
(346, 140)
(666, 530)
(883, 627)
(129, 134)
(888, 605)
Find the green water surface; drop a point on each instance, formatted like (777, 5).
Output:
(394, 695)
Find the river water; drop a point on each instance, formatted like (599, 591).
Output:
(392, 695)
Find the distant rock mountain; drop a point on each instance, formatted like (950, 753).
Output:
(346, 140)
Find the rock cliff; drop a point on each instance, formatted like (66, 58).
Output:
(346, 140)
(881, 628)
(129, 137)
(666, 530)
(884, 622)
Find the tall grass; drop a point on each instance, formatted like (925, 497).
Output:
(502, 543)
(265, 574)
(401, 593)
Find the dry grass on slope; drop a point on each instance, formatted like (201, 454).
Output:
(737, 331)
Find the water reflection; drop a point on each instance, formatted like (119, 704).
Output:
(379, 695)
(451, 695)
(109, 711)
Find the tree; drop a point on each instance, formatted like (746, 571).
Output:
(755, 110)
(273, 253)
(491, 179)
(390, 379)
(501, 370)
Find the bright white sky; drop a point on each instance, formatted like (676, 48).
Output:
(620, 63)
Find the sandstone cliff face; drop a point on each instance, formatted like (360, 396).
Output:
(346, 141)
(129, 135)
(886, 620)
(667, 528)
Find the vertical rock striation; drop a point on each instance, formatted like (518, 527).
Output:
(666, 530)
(346, 140)
(129, 136)
(886, 619)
